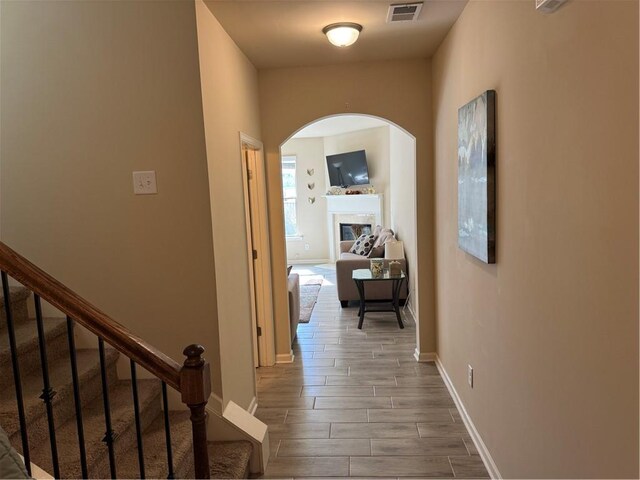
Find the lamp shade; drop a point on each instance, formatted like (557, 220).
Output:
(342, 34)
(394, 250)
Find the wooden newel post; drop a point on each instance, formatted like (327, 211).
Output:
(195, 386)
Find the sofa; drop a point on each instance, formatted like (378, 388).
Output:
(293, 285)
(347, 291)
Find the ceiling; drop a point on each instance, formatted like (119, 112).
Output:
(339, 124)
(288, 33)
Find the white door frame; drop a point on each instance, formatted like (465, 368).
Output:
(260, 268)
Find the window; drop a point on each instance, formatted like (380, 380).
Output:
(289, 194)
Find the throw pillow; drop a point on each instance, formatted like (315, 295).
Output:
(362, 246)
(377, 251)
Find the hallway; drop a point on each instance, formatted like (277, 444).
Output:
(356, 403)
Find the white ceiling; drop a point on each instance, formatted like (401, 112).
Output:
(339, 124)
(288, 33)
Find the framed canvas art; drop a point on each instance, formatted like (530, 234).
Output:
(477, 177)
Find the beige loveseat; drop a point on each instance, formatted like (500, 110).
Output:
(347, 290)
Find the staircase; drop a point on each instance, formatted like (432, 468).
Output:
(147, 439)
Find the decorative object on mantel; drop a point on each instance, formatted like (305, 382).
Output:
(334, 191)
(376, 267)
(311, 171)
(311, 185)
(395, 268)
(353, 192)
(476, 177)
(312, 200)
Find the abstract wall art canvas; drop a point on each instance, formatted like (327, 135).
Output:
(476, 177)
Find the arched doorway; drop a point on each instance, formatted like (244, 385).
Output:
(311, 232)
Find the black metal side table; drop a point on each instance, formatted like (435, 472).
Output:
(364, 275)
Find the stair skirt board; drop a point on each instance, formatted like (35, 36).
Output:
(227, 459)
(238, 424)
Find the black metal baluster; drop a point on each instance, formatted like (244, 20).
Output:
(76, 397)
(136, 411)
(167, 430)
(109, 434)
(16, 371)
(47, 391)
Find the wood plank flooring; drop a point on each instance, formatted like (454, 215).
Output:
(355, 403)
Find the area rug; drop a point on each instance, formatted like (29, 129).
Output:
(309, 289)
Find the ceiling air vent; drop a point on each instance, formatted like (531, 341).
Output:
(404, 12)
(548, 6)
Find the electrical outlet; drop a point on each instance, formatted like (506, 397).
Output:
(470, 375)
(144, 183)
(307, 246)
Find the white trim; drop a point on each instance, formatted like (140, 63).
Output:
(249, 140)
(285, 357)
(408, 307)
(215, 403)
(312, 261)
(489, 464)
(424, 357)
(236, 423)
(294, 238)
(253, 406)
(262, 273)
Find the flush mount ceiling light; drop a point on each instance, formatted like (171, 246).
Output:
(342, 34)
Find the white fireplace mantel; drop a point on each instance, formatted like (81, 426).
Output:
(371, 205)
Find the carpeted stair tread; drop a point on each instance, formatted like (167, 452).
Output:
(27, 343)
(123, 425)
(155, 450)
(229, 459)
(60, 379)
(18, 300)
(16, 294)
(226, 459)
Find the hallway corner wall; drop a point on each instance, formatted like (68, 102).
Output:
(551, 329)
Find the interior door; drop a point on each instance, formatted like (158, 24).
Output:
(249, 168)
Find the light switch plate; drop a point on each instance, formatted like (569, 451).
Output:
(144, 183)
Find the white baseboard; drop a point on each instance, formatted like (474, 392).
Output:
(489, 464)
(253, 406)
(408, 312)
(311, 261)
(285, 357)
(425, 356)
(215, 403)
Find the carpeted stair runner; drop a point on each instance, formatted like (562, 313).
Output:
(227, 459)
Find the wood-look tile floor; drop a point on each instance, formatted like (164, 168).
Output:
(355, 403)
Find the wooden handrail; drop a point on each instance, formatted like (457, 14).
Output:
(93, 319)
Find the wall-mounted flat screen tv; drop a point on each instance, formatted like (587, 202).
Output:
(346, 169)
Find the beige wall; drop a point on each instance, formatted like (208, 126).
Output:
(399, 91)
(92, 91)
(375, 142)
(312, 217)
(230, 102)
(402, 197)
(552, 329)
